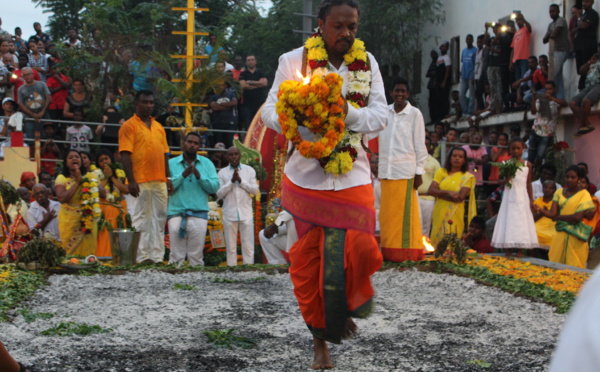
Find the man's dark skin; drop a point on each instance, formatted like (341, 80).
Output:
(233, 156)
(144, 107)
(554, 14)
(238, 62)
(190, 154)
(40, 194)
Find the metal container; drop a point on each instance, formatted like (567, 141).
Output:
(124, 246)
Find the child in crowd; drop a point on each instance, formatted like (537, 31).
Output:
(50, 150)
(476, 156)
(515, 226)
(79, 134)
(475, 237)
(455, 108)
(544, 226)
(545, 107)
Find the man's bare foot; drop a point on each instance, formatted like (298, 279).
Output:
(351, 328)
(321, 360)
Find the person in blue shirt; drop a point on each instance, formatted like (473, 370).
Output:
(210, 50)
(194, 178)
(467, 81)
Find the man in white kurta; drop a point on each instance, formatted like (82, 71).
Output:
(237, 185)
(309, 193)
(43, 212)
(402, 158)
(277, 238)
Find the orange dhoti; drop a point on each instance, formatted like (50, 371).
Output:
(334, 257)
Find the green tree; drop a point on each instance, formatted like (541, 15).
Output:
(392, 31)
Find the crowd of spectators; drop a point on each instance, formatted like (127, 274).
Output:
(36, 87)
(499, 74)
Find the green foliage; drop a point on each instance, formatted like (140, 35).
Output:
(219, 279)
(31, 316)
(392, 31)
(214, 258)
(480, 363)
(9, 193)
(184, 287)
(508, 169)
(226, 339)
(20, 285)
(455, 244)
(73, 328)
(42, 250)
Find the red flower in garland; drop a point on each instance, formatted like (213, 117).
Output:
(85, 189)
(316, 64)
(358, 65)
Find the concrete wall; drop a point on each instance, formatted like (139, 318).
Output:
(16, 161)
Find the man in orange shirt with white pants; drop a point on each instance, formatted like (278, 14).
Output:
(145, 155)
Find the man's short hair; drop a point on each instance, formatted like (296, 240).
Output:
(549, 166)
(551, 82)
(143, 92)
(250, 55)
(533, 57)
(480, 37)
(25, 69)
(543, 56)
(402, 81)
(193, 134)
(555, 6)
(326, 5)
(469, 35)
(478, 221)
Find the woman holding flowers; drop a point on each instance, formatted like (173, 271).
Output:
(451, 185)
(78, 192)
(569, 206)
(112, 179)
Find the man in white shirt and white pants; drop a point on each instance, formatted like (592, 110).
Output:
(278, 237)
(238, 184)
(402, 158)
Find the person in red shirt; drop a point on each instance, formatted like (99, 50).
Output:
(475, 238)
(59, 86)
(17, 76)
(540, 76)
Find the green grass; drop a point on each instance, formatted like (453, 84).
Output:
(21, 285)
(73, 328)
(226, 339)
(184, 287)
(32, 317)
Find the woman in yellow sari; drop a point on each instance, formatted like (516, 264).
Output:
(114, 205)
(451, 185)
(570, 243)
(78, 193)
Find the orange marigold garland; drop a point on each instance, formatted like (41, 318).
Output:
(319, 107)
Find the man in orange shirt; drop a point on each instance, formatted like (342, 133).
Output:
(145, 155)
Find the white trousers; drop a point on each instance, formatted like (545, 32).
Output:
(246, 229)
(149, 217)
(193, 243)
(272, 248)
(426, 214)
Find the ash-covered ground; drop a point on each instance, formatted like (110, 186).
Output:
(422, 322)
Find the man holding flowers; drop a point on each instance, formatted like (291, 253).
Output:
(327, 183)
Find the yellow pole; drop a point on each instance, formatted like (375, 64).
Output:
(189, 62)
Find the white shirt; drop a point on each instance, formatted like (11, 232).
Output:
(578, 347)
(35, 215)
(286, 226)
(402, 151)
(307, 173)
(538, 188)
(237, 199)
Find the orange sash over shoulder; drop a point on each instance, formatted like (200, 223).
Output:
(334, 257)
